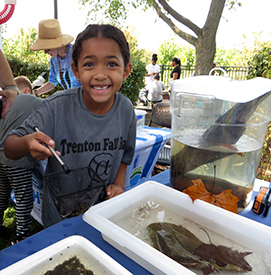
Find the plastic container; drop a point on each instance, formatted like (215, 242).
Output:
(218, 131)
(140, 114)
(48, 258)
(234, 227)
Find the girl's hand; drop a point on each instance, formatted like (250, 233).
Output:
(113, 190)
(36, 143)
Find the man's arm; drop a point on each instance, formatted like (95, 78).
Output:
(6, 80)
(6, 76)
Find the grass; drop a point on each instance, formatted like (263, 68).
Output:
(10, 223)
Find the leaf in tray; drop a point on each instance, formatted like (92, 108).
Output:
(223, 257)
(184, 247)
(164, 238)
(225, 199)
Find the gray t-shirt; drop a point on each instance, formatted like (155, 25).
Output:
(84, 139)
(155, 90)
(23, 106)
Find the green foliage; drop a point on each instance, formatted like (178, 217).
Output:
(190, 55)
(231, 4)
(260, 62)
(135, 52)
(19, 47)
(10, 224)
(112, 11)
(23, 61)
(135, 81)
(169, 49)
(227, 57)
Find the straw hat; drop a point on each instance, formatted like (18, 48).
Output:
(50, 36)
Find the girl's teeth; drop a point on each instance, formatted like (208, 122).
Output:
(100, 88)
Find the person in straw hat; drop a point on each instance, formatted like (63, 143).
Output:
(59, 47)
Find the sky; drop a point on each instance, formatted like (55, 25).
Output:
(252, 17)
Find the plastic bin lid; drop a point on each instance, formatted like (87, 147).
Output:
(223, 88)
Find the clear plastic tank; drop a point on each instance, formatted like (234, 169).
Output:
(218, 131)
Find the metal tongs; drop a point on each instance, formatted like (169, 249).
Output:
(64, 166)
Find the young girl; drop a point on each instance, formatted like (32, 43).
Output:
(91, 126)
(151, 70)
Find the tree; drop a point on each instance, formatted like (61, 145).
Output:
(203, 39)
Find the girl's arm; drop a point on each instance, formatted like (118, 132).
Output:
(118, 186)
(17, 147)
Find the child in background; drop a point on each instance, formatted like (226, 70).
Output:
(93, 125)
(17, 174)
(24, 85)
(156, 89)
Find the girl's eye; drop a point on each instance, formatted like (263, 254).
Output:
(112, 64)
(88, 64)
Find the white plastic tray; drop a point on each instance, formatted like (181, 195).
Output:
(235, 227)
(48, 258)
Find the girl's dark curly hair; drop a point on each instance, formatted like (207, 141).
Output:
(103, 31)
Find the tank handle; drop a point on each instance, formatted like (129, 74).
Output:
(219, 69)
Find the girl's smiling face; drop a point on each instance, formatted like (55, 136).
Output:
(101, 72)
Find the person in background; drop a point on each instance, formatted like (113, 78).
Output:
(99, 134)
(17, 174)
(152, 69)
(176, 73)
(59, 47)
(9, 90)
(156, 89)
